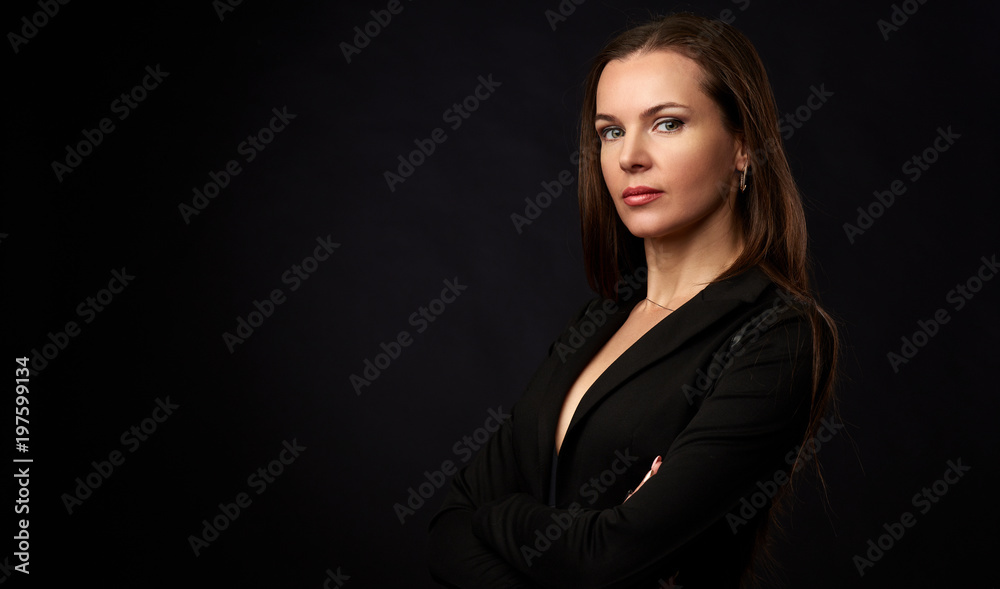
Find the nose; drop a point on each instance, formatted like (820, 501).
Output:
(634, 155)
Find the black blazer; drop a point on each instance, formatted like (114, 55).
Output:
(720, 388)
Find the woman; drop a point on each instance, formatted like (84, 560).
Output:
(716, 371)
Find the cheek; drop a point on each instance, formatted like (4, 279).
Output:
(609, 167)
(693, 165)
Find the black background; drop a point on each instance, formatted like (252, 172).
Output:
(323, 176)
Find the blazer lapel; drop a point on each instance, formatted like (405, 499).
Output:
(710, 305)
(563, 377)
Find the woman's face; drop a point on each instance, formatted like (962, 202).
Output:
(668, 160)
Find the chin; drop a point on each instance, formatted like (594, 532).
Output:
(650, 226)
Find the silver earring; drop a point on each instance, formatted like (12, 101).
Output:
(743, 178)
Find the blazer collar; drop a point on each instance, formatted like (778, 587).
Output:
(708, 306)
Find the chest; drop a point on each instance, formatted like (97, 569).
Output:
(636, 326)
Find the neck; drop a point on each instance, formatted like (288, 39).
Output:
(679, 266)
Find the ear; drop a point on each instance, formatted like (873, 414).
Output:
(741, 154)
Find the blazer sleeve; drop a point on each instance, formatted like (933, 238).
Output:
(458, 558)
(755, 414)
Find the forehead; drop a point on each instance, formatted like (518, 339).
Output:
(636, 82)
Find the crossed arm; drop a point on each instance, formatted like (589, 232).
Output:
(485, 534)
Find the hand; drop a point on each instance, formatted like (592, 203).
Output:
(652, 470)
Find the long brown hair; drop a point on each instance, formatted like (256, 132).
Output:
(769, 211)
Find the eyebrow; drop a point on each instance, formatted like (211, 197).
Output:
(645, 114)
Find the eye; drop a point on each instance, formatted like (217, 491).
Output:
(611, 133)
(670, 125)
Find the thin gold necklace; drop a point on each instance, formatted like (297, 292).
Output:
(658, 304)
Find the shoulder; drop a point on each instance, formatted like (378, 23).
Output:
(773, 341)
(776, 306)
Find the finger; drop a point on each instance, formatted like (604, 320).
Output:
(641, 483)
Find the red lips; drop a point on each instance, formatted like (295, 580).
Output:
(634, 190)
(640, 195)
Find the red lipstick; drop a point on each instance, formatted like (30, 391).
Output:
(640, 195)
